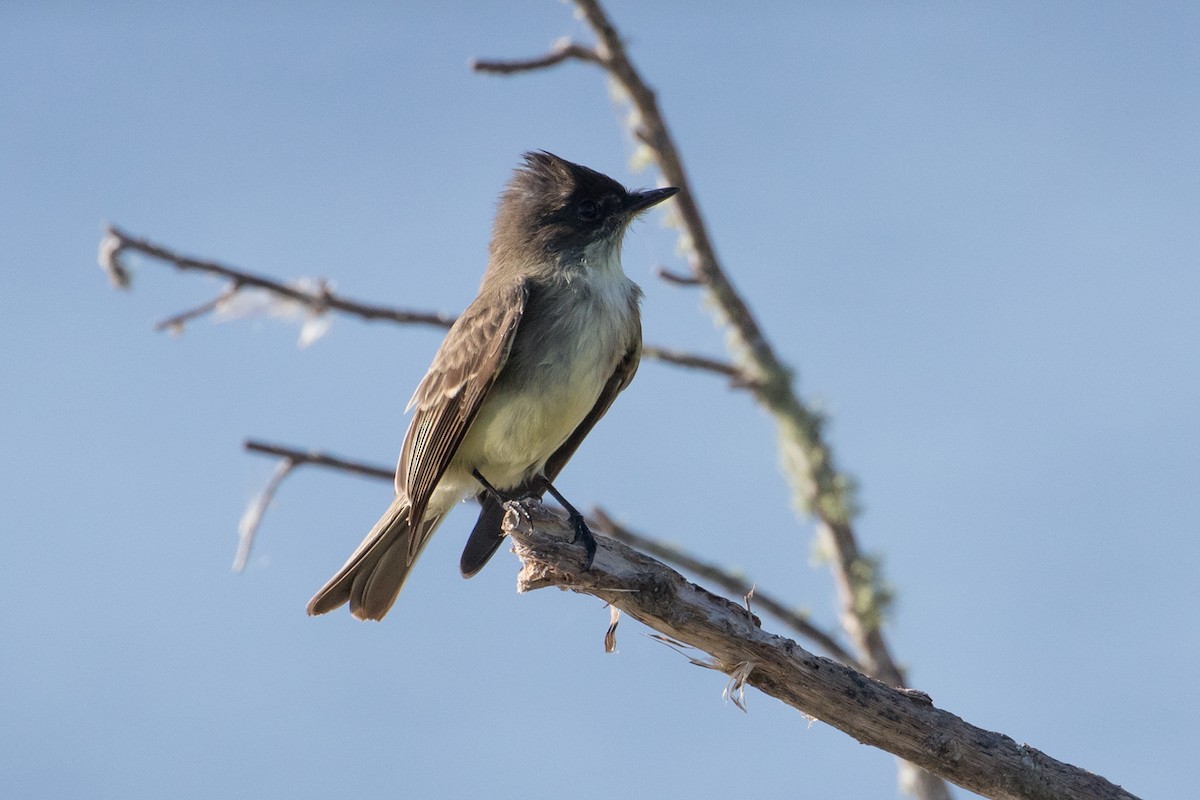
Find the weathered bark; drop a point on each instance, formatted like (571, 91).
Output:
(903, 722)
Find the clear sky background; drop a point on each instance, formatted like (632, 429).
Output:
(973, 229)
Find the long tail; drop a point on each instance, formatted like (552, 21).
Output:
(372, 578)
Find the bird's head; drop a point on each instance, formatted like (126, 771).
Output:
(554, 211)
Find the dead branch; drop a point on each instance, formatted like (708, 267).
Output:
(678, 278)
(737, 377)
(903, 722)
(290, 459)
(176, 322)
(320, 459)
(560, 51)
(117, 242)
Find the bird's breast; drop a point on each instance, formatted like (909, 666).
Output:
(567, 348)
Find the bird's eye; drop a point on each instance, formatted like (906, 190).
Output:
(588, 210)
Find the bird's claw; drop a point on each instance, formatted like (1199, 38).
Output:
(584, 534)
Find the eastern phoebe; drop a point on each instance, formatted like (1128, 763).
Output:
(531, 365)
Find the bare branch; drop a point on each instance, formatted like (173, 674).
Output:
(118, 241)
(737, 377)
(601, 522)
(320, 459)
(290, 460)
(562, 50)
(678, 278)
(903, 722)
(176, 322)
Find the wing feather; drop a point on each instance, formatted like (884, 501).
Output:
(449, 397)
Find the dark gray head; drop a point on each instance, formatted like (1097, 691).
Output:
(553, 211)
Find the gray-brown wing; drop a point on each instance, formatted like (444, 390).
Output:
(486, 536)
(449, 397)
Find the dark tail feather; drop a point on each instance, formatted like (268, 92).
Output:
(485, 537)
(372, 578)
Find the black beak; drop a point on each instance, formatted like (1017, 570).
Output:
(637, 202)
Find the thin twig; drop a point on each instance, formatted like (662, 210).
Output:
(737, 377)
(560, 51)
(248, 527)
(118, 241)
(320, 459)
(678, 278)
(290, 460)
(175, 322)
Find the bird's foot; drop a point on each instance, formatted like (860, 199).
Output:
(583, 534)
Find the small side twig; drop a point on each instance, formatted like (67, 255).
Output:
(248, 526)
(560, 51)
(117, 242)
(320, 459)
(737, 377)
(175, 322)
(678, 278)
(290, 460)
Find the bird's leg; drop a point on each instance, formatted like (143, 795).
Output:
(541, 484)
(582, 532)
(500, 499)
(488, 489)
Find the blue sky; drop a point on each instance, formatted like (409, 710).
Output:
(971, 229)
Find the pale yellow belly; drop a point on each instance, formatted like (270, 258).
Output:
(519, 428)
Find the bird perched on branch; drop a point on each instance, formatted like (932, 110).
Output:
(521, 378)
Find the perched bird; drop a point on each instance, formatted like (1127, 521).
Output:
(533, 363)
